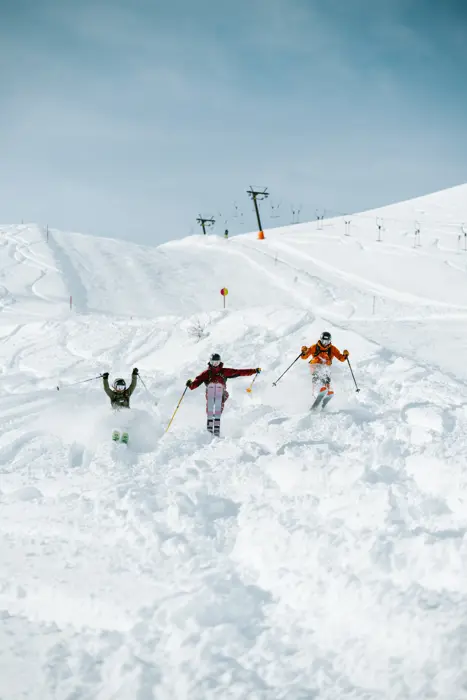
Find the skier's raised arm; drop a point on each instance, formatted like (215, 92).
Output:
(134, 379)
(107, 389)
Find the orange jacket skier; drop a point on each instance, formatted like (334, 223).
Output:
(322, 354)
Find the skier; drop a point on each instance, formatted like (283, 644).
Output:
(215, 378)
(119, 397)
(322, 354)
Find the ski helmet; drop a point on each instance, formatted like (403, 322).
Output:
(215, 360)
(119, 385)
(325, 338)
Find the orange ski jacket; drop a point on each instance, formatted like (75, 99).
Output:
(323, 354)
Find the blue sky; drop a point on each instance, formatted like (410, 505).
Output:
(130, 118)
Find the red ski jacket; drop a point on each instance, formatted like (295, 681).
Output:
(219, 375)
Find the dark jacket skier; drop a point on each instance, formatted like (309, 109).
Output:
(119, 395)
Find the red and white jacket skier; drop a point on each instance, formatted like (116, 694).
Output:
(217, 374)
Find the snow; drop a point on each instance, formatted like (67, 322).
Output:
(300, 555)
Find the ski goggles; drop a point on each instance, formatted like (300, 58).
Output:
(325, 341)
(215, 363)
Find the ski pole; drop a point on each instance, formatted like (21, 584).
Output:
(142, 382)
(82, 381)
(178, 406)
(350, 367)
(251, 385)
(147, 390)
(277, 380)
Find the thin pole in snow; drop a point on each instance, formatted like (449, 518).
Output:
(296, 213)
(379, 225)
(417, 235)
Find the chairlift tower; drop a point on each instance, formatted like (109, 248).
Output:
(255, 195)
(205, 222)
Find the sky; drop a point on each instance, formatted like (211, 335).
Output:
(131, 118)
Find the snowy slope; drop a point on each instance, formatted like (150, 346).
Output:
(300, 556)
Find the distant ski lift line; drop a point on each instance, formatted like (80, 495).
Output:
(262, 193)
(257, 194)
(335, 214)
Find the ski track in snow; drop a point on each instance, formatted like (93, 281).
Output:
(299, 556)
(68, 269)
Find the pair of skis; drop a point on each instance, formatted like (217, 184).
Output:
(120, 437)
(321, 400)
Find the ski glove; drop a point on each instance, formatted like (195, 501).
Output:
(135, 371)
(304, 349)
(258, 370)
(189, 383)
(346, 353)
(105, 375)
